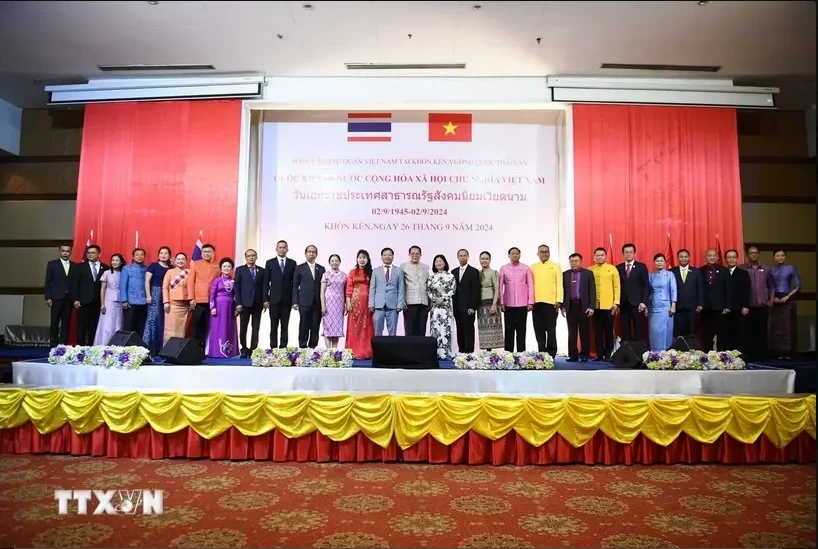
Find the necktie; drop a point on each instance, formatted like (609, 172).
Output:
(628, 270)
(387, 274)
(281, 264)
(684, 275)
(253, 272)
(94, 269)
(65, 266)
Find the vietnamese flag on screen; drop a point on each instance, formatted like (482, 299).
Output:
(454, 127)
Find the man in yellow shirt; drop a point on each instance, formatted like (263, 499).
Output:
(547, 300)
(607, 304)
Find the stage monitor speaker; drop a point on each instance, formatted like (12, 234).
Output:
(405, 352)
(126, 339)
(685, 343)
(182, 351)
(629, 355)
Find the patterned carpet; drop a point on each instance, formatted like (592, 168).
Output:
(238, 504)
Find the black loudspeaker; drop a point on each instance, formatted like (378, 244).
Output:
(685, 343)
(629, 355)
(183, 351)
(405, 352)
(126, 339)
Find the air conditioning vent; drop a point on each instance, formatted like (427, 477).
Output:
(676, 68)
(155, 68)
(402, 66)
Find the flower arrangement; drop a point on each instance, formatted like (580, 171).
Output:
(693, 360)
(503, 360)
(302, 358)
(104, 356)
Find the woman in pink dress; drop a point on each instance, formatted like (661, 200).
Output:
(360, 328)
(223, 339)
(110, 314)
(333, 308)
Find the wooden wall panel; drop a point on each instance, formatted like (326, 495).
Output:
(51, 132)
(779, 223)
(39, 178)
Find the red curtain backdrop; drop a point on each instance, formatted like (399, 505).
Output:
(165, 169)
(643, 172)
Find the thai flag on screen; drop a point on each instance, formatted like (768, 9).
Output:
(369, 127)
(197, 249)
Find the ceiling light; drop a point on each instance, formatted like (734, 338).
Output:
(38, 82)
(807, 81)
(306, 6)
(477, 7)
(152, 3)
(702, 2)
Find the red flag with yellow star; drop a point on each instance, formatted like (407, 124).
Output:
(454, 127)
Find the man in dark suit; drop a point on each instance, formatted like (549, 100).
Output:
(249, 297)
(466, 300)
(278, 293)
(59, 276)
(739, 305)
(716, 297)
(689, 296)
(635, 282)
(307, 298)
(579, 295)
(87, 285)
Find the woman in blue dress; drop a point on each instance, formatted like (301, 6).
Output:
(662, 306)
(155, 323)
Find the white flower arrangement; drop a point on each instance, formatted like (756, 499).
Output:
(693, 360)
(303, 358)
(503, 360)
(103, 356)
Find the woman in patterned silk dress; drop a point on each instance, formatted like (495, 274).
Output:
(333, 306)
(786, 283)
(154, 333)
(489, 322)
(360, 328)
(110, 314)
(223, 339)
(441, 289)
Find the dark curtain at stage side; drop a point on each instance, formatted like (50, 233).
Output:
(164, 169)
(643, 172)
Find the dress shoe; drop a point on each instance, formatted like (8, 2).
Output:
(573, 359)
(584, 359)
(599, 359)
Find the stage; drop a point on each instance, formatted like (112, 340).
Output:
(237, 375)
(577, 412)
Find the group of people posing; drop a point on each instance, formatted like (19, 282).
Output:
(735, 303)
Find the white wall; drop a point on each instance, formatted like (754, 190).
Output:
(11, 119)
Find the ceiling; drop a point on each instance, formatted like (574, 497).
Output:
(757, 42)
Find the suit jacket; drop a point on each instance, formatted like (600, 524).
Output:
(587, 288)
(86, 287)
(740, 290)
(59, 285)
(466, 290)
(247, 291)
(277, 286)
(387, 295)
(689, 293)
(306, 289)
(716, 296)
(636, 288)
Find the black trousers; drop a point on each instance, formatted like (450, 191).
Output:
(87, 320)
(633, 328)
(414, 320)
(135, 318)
(734, 329)
(684, 323)
(544, 317)
(308, 326)
(248, 314)
(280, 318)
(578, 323)
(465, 331)
(757, 348)
(60, 320)
(603, 333)
(201, 323)
(515, 319)
(712, 326)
